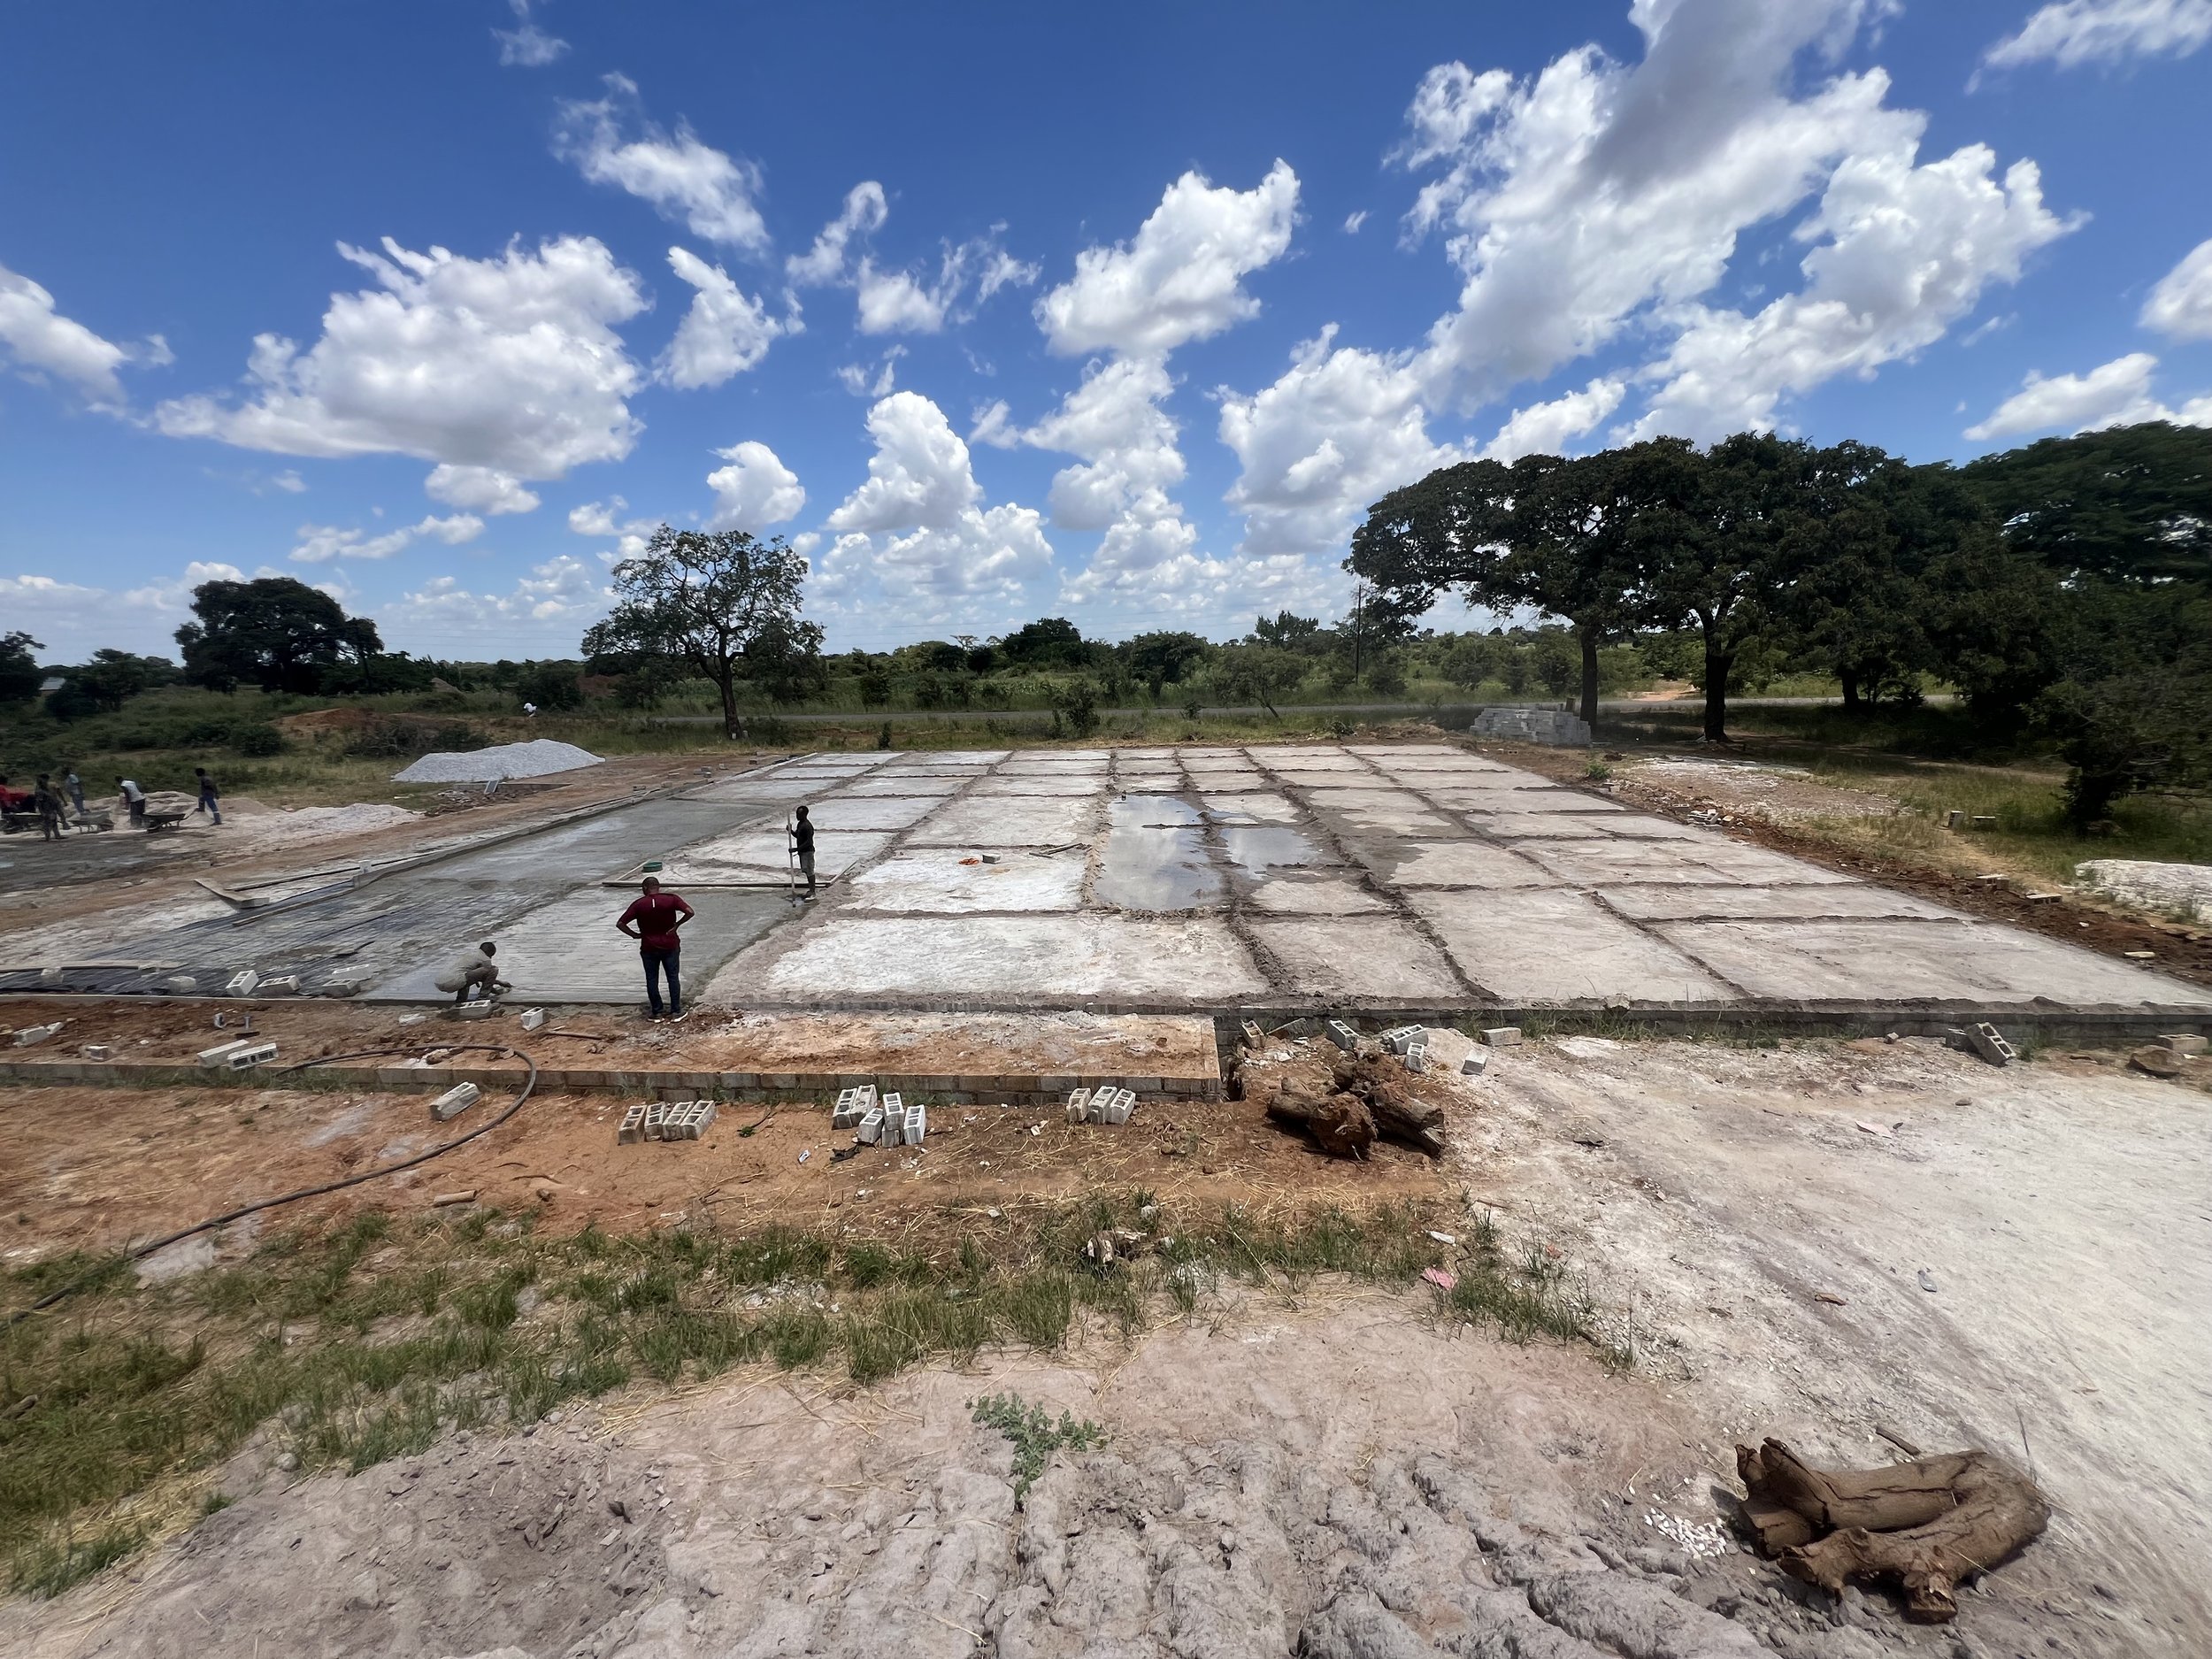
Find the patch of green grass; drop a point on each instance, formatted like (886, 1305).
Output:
(369, 1340)
(1034, 1434)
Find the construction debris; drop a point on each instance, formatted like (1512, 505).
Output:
(1502, 1037)
(454, 1102)
(1366, 1103)
(853, 1105)
(1924, 1524)
(1100, 1105)
(532, 1018)
(1985, 1041)
(31, 1034)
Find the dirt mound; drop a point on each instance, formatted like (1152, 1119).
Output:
(347, 718)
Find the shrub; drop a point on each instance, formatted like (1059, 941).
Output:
(255, 740)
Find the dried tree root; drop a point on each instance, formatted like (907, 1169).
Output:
(1398, 1111)
(1925, 1523)
(1341, 1123)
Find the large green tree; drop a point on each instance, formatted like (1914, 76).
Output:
(709, 600)
(2133, 503)
(274, 632)
(1164, 655)
(20, 674)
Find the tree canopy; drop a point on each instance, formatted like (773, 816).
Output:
(275, 632)
(724, 603)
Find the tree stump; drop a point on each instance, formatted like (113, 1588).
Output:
(1924, 1524)
(1340, 1124)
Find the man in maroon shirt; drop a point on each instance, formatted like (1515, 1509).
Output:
(652, 920)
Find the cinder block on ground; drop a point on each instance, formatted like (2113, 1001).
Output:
(1416, 1056)
(852, 1105)
(471, 1011)
(106, 1050)
(633, 1129)
(532, 1018)
(655, 1124)
(278, 985)
(869, 1130)
(454, 1102)
(1990, 1044)
(1474, 1064)
(893, 1120)
(249, 1055)
(916, 1128)
(1254, 1037)
(1342, 1035)
(241, 983)
(1117, 1107)
(1079, 1106)
(2183, 1042)
(31, 1034)
(1398, 1039)
(1502, 1036)
(219, 1055)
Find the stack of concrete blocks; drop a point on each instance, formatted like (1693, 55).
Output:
(1554, 727)
(852, 1104)
(454, 1102)
(688, 1121)
(1100, 1105)
(893, 1132)
(240, 1054)
(1342, 1035)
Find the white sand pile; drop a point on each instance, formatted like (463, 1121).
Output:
(534, 759)
(317, 823)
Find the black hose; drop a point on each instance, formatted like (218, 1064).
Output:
(529, 1087)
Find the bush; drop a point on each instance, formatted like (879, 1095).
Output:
(1075, 703)
(551, 686)
(255, 740)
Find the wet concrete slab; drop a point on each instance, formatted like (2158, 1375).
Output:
(1258, 849)
(1618, 862)
(1366, 959)
(1155, 859)
(1250, 807)
(755, 855)
(1036, 960)
(1731, 903)
(1037, 784)
(1544, 945)
(1010, 821)
(904, 784)
(871, 812)
(1550, 826)
(569, 950)
(937, 882)
(1311, 893)
(1461, 863)
(1917, 960)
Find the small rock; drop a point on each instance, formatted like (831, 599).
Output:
(1927, 1280)
(288, 1461)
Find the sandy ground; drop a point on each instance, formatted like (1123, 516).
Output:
(1337, 1475)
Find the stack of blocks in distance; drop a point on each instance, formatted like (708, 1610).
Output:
(1100, 1105)
(1410, 1044)
(667, 1120)
(889, 1122)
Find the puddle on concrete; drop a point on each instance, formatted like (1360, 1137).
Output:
(1260, 849)
(1153, 859)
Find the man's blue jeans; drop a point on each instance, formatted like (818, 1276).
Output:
(657, 962)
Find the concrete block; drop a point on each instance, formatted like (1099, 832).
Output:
(655, 1124)
(917, 1124)
(1417, 1057)
(247, 1055)
(869, 1130)
(532, 1018)
(1502, 1037)
(31, 1034)
(1116, 1109)
(632, 1129)
(1079, 1106)
(1398, 1039)
(221, 1053)
(1474, 1064)
(1342, 1035)
(1982, 821)
(278, 985)
(241, 983)
(471, 1011)
(1254, 1037)
(106, 1050)
(1954, 820)
(1986, 1042)
(454, 1102)
(2186, 1042)
(893, 1120)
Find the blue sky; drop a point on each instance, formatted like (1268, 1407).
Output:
(1004, 311)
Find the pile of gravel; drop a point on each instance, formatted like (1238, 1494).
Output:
(534, 759)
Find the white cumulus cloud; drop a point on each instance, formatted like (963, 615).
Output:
(484, 489)
(1181, 278)
(511, 363)
(2116, 393)
(1546, 428)
(527, 46)
(863, 213)
(684, 180)
(894, 299)
(40, 341)
(319, 543)
(597, 520)
(755, 490)
(2180, 307)
(74, 619)
(723, 334)
(2072, 32)
(918, 524)
(544, 614)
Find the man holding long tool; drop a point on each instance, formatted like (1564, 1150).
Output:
(652, 920)
(802, 847)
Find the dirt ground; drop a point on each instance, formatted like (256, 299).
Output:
(1808, 1241)
(167, 1157)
